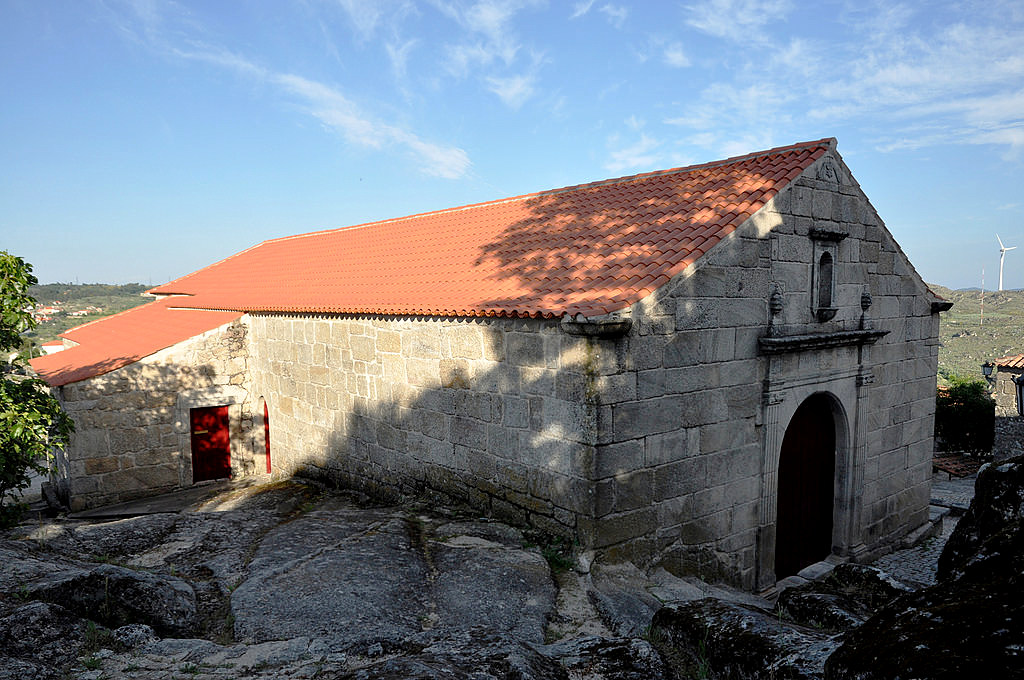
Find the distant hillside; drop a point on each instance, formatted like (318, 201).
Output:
(60, 306)
(967, 342)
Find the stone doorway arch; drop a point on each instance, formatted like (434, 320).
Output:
(806, 487)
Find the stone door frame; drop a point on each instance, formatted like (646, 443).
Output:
(781, 398)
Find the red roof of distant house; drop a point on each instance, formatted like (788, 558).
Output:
(115, 341)
(1015, 361)
(590, 249)
(53, 343)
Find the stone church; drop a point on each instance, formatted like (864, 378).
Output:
(727, 369)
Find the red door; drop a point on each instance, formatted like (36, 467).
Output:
(266, 432)
(807, 463)
(211, 443)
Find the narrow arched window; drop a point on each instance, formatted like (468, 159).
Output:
(825, 280)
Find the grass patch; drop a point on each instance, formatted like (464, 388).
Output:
(95, 638)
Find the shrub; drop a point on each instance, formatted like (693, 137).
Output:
(965, 416)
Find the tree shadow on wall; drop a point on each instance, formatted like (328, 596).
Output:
(585, 248)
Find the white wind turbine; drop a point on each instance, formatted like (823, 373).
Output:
(1002, 256)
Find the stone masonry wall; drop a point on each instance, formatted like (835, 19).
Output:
(494, 412)
(681, 436)
(1005, 391)
(131, 426)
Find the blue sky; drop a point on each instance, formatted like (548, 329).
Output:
(143, 139)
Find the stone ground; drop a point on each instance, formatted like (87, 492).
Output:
(915, 566)
(289, 581)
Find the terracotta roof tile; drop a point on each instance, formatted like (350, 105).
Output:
(110, 343)
(591, 248)
(1013, 361)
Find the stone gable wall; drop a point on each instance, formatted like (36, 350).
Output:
(497, 412)
(681, 460)
(131, 434)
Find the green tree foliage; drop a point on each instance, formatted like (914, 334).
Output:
(965, 415)
(32, 422)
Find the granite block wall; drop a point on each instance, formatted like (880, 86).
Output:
(131, 434)
(497, 413)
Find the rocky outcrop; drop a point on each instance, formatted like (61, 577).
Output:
(970, 623)
(38, 638)
(115, 596)
(713, 639)
(998, 502)
(843, 599)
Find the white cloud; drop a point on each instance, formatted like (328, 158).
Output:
(398, 54)
(491, 37)
(642, 154)
(736, 19)
(616, 14)
(367, 17)
(675, 56)
(581, 8)
(918, 80)
(364, 15)
(513, 90)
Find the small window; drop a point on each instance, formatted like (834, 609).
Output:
(823, 283)
(825, 280)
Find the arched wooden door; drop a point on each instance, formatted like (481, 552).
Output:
(806, 496)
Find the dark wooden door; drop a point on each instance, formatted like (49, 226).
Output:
(211, 443)
(807, 463)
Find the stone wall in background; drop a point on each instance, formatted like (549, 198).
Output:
(132, 425)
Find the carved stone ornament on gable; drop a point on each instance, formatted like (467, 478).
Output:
(828, 172)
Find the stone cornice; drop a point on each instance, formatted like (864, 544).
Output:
(800, 343)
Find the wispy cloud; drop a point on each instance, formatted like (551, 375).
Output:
(327, 104)
(616, 14)
(920, 82)
(736, 19)
(640, 154)
(581, 8)
(492, 45)
(491, 37)
(675, 56)
(398, 55)
(513, 90)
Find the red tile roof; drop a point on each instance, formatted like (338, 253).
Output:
(115, 341)
(1014, 361)
(590, 249)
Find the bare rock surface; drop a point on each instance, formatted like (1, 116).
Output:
(711, 638)
(998, 502)
(845, 598)
(290, 581)
(345, 574)
(483, 579)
